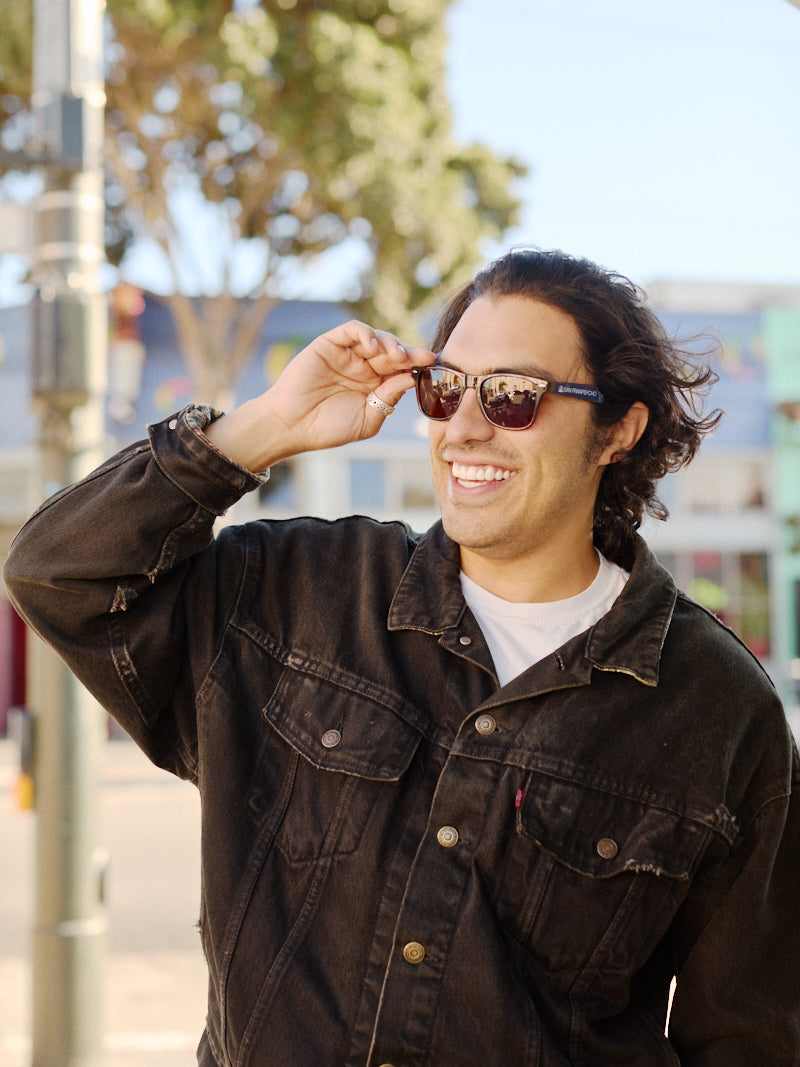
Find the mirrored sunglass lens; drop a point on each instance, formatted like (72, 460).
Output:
(439, 392)
(509, 402)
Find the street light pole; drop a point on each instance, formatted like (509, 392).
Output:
(69, 345)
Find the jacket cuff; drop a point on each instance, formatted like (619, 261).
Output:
(192, 463)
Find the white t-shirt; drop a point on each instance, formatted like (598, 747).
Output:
(519, 635)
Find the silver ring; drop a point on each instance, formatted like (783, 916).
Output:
(380, 405)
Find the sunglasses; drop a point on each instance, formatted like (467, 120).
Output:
(509, 401)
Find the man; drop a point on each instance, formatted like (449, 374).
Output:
(469, 799)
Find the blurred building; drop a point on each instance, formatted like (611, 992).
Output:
(733, 537)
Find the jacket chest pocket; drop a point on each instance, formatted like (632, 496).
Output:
(352, 750)
(601, 874)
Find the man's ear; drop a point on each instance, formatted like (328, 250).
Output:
(624, 434)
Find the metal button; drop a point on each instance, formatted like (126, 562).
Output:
(173, 424)
(331, 738)
(465, 640)
(485, 725)
(447, 836)
(414, 952)
(607, 848)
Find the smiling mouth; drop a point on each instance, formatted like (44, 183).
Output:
(471, 477)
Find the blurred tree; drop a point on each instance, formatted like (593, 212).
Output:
(246, 138)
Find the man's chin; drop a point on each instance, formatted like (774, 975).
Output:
(470, 534)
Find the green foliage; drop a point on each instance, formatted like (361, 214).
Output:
(15, 75)
(15, 48)
(307, 125)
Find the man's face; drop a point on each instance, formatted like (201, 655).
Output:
(518, 496)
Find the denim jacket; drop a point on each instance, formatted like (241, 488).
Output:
(403, 863)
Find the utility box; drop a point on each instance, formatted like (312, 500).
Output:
(67, 330)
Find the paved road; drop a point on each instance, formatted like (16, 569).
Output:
(155, 975)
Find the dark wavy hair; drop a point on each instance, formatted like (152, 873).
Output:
(630, 357)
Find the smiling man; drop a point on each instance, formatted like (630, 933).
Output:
(521, 505)
(472, 798)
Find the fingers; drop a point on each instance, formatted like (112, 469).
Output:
(391, 360)
(357, 339)
(326, 388)
(380, 353)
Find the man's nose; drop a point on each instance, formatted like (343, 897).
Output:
(469, 423)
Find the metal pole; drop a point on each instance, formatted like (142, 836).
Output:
(69, 332)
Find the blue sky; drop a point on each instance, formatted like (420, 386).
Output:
(662, 138)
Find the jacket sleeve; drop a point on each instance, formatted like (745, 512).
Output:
(737, 997)
(120, 574)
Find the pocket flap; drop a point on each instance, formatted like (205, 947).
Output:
(601, 834)
(339, 729)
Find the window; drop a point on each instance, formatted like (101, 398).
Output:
(367, 483)
(397, 483)
(278, 491)
(725, 483)
(754, 607)
(734, 586)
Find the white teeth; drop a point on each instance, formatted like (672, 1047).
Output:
(479, 475)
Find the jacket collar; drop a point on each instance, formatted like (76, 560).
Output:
(429, 596)
(628, 639)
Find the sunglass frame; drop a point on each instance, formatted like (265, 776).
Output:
(538, 387)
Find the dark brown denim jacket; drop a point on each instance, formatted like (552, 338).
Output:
(402, 862)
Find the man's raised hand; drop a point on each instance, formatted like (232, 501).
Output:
(332, 392)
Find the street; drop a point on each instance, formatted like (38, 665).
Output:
(155, 974)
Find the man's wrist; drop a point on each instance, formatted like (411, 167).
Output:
(195, 465)
(250, 437)
(199, 418)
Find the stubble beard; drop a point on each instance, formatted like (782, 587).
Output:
(462, 521)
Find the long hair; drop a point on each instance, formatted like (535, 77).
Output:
(630, 357)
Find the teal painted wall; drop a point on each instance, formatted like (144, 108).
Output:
(782, 337)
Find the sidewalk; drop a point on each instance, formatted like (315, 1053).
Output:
(123, 764)
(155, 977)
(154, 1010)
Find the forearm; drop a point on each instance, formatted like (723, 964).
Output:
(115, 521)
(97, 548)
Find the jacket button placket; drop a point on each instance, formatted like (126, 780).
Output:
(431, 914)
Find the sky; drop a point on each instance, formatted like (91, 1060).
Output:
(662, 137)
